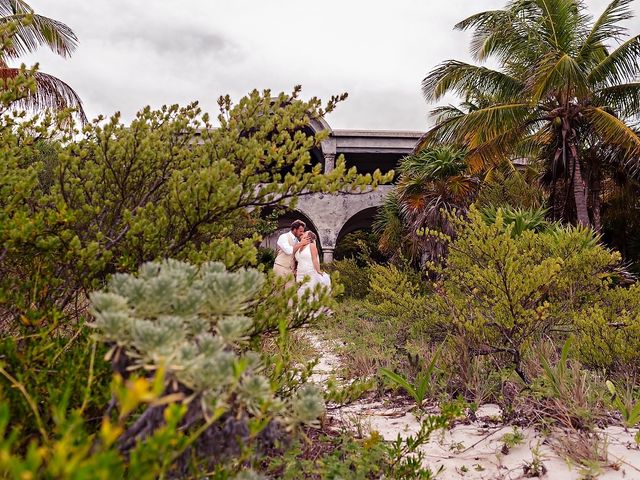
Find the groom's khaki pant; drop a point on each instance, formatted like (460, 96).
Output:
(281, 271)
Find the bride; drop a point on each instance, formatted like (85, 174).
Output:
(308, 273)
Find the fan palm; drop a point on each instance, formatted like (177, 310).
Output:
(28, 31)
(432, 184)
(560, 93)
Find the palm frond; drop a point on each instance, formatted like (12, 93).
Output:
(613, 131)
(34, 31)
(50, 93)
(606, 28)
(484, 132)
(558, 23)
(483, 20)
(461, 78)
(483, 125)
(512, 144)
(557, 73)
(521, 219)
(436, 163)
(13, 7)
(388, 224)
(446, 112)
(623, 99)
(620, 66)
(502, 33)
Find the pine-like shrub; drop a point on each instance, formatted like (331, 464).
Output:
(166, 185)
(504, 291)
(400, 296)
(353, 276)
(607, 332)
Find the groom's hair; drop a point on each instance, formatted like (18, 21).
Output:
(297, 224)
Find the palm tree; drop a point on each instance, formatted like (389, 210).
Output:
(27, 32)
(432, 184)
(561, 93)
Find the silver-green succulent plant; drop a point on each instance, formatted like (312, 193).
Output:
(194, 323)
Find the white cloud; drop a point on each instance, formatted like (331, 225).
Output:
(134, 52)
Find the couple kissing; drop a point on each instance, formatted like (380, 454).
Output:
(297, 255)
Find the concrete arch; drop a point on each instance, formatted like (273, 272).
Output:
(332, 216)
(324, 153)
(328, 145)
(361, 220)
(320, 125)
(337, 214)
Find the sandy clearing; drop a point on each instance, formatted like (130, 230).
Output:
(474, 451)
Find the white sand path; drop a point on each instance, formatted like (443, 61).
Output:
(474, 450)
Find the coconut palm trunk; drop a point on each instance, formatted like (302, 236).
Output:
(578, 185)
(580, 194)
(594, 180)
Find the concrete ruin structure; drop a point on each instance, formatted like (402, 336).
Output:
(331, 217)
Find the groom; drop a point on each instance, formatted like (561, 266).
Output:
(288, 244)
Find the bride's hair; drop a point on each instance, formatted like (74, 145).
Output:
(312, 236)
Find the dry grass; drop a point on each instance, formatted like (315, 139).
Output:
(586, 449)
(300, 348)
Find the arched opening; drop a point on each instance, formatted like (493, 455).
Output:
(359, 228)
(317, 156)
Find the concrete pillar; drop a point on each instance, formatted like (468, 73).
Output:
(327, 255)
(329, 162)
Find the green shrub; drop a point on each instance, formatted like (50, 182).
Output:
(167, 185)
(194, 390)
(504, 291)
(353, 276)
(521, 219)
(396, 292)
(507, 187)
(344, 457)
(564, 394)
(399, 299)
(196, 324)
(266, 257)
(361, 245)
(76, 449)
(608, 331)
(65, 372)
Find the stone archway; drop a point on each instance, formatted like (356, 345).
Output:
(360, 221)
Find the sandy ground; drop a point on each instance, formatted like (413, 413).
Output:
(474, 450)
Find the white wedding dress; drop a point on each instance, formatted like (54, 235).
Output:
(306, 275)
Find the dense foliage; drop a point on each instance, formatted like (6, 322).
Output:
(504, 291)
(433, 184)
(565, 91)
(167, 185)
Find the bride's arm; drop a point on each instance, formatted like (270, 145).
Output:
(314, 257)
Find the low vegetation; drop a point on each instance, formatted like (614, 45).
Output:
(145, 337)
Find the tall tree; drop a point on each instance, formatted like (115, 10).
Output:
(27, 32)
(566, 88)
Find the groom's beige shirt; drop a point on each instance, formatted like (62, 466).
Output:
(285, 263)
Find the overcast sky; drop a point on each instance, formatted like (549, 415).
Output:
(134, 53)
